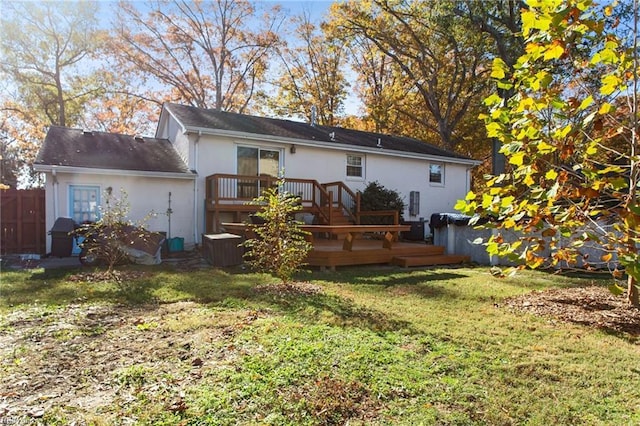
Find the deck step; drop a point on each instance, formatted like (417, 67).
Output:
(442, 259)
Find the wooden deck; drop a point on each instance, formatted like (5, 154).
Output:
(330, 253)
(359, 247)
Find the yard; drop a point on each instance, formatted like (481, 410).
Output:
(376, 345)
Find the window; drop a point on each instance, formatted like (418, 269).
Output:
(84, 202)
(436, 173)
(355, 166)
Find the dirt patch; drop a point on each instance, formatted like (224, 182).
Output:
(290, 289)
(106, 276)
(81, 360)
(592, 306)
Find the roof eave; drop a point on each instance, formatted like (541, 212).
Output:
(49, 168)
(323, 144)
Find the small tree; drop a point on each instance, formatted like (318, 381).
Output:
(570, 135)
(376, 197)
(279, 247)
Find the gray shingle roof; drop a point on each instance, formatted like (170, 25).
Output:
(199, 118)
(75, 148)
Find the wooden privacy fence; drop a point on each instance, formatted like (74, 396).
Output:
(22, 221)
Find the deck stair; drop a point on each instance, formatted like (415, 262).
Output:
(338, 217)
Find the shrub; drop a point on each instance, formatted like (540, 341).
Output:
(376, 197)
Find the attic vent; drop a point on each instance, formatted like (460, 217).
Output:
(332, 135)
(379, 145)
(139, 138)
(87, 132)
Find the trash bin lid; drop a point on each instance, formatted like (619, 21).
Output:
(63, 224)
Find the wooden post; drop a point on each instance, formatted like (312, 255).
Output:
(348, 242)
(389, 238)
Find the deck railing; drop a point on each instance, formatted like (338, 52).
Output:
(229, 192)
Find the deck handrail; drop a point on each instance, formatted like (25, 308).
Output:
(225, 189)
(346, 199)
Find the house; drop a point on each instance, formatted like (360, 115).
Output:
(203, 165)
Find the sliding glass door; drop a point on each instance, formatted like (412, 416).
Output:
(255, 161)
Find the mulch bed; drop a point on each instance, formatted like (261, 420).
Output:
(592, 306)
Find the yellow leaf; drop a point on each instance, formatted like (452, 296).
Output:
(606, 257)
(609, 84)
(605, 108)
(608, 10)
(545, 148)
(528, 21)
(506, 201)
(554, 52)
(529, 180)
(517, 159)
(532, 48)
(551, 175)
(585, 103)
(498, 69)
(493, 129)
(493, 99)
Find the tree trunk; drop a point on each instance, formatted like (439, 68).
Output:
(62, 117)
(632, 288)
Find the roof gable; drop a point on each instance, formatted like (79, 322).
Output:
(198, 119)
(100, 150)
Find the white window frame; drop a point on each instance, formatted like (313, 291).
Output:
(442, 170)
(92, 208)
(361, 165)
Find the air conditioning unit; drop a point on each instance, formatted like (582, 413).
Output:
(414, 203)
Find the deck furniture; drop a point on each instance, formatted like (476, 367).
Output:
(351, 232)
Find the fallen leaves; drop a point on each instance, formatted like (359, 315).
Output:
(590, 306)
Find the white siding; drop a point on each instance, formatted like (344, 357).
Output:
(218, 155)
(148, 198)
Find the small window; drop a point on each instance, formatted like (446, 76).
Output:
(355, 166)
(436, 173)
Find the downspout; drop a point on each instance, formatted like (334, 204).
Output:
(195, 188)
(54, 174)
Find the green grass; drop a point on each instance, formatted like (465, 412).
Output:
(377, 346)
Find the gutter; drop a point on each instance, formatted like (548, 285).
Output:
(306, 142)
(113, 172)
(195, 189)
(56, 208)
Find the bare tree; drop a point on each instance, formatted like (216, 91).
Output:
(312, 74)
(206, 52)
